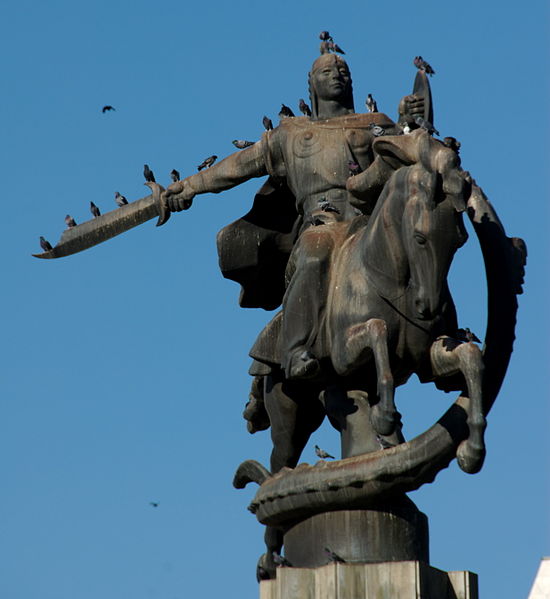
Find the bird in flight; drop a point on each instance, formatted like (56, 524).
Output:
(107, 109)
(154, 503)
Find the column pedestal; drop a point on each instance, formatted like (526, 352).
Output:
(389, 580)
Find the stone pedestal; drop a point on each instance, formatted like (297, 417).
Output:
(388, 580)
(396, 532)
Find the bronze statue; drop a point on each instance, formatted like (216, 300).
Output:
(352, 234)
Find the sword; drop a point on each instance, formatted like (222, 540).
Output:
(109, 225)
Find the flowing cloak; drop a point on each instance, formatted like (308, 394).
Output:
(254, 250)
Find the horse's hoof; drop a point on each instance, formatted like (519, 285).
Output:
(382, 421)
(470, 459)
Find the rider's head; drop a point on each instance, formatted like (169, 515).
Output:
(330, 81)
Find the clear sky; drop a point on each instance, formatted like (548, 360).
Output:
(124, 368)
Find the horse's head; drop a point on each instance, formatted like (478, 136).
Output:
(434, 191)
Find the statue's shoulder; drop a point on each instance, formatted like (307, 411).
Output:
(348, 121)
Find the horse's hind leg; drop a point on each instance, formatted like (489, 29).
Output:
(360, 342)
(448, 357)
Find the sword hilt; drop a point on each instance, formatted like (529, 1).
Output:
(164, 212)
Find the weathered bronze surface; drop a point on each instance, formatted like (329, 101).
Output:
(352, 235)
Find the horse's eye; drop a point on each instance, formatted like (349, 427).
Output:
(419, 238)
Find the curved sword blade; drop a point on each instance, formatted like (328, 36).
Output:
(104, 227)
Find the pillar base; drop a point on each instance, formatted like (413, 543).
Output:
(389, 580)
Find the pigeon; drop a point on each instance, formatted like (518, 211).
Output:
(268, 125)
(174, 175)
(120, 199)
(262, 574)
(154, 503)
(285, 112)
(422, 65)
(452, 143)
(45, 244)
(304, 108)
(376, 130)
(325, 36)
(371, 104)
(107, 109)
(327, 206)
(321, 453)
(354, 168)
(148, 174)
(324, 48)
(241, 144)
(467, 336)
(383, 443)
(94, 210)
(336, 48)
(207, 162)
(334, 557)
(70, 221)
(424, 124)
(280, 560)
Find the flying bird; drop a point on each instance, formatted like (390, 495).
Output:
(148, 174)
(120, 199)
(207, 162)
(422, 65)
(45, 244)
(334, 557)
(424, 124)
(174, 175)
(285, 112)
(321, 453)
(354, 168)
(154, 503)
(70, 221)
(371, 104)
(241, 144)
(304, 108)
(281, 560)
(268, 125)
(94, 210)
(107, 109)
(452, 143)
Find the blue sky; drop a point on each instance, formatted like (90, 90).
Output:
(125, 367)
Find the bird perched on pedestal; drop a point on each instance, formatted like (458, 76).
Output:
(376, 130)
(321, 453)
(207, 162)
(268, 125)
(280, 560)
(334, 557)
(424, 124)
(422, 65)
(70, 221)
(174, 175)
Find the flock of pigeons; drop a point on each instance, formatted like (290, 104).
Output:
(328, 45)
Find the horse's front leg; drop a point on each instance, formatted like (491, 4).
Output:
(360, 342)
(449, 356)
